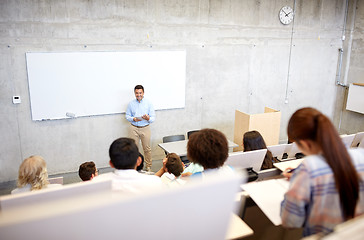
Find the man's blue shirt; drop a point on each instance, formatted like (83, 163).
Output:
(138, 109)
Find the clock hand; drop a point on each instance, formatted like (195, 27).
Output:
(284, 12)
(288, 14)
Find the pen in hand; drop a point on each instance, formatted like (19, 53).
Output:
(288, 172)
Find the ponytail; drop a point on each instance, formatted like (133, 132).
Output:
(310, 124)
(338, 158)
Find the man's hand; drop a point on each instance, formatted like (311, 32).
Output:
(146, 117)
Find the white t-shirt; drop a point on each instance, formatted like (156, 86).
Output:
(170, 180)
(131, 181)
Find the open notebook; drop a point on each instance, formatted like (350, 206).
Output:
(288, 164)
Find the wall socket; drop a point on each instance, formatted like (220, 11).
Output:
(16, 99)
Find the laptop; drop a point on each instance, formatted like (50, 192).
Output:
(347, 139)
(250, 159)
(291, 150)
(361, 144)
(277, 150)
(358, 139)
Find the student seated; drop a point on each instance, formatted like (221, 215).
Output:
(209, 148)
(328, 187)
(87, 171)
(171, 170)
(253, 140)
(33, 175)
(124, 157)
(191, 169)
(141, 166)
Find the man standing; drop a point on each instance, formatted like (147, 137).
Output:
(140, 113)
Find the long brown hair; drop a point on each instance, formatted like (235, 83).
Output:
(253, 140)
(310, 124)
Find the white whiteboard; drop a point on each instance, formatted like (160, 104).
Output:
(355, 100)
(97, 83)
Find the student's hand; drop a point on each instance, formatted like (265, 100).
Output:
(288, 173)
(146, 117)
(187, 174)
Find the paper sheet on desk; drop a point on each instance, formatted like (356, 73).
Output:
(268, 195)
(288, 164)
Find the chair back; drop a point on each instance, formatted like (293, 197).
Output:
(173, 138)
(121, 216)
(9, 202)
(56, 180)
(189, 133)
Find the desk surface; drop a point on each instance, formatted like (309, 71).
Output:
(180, 147)
(275, 189)
(238, 228)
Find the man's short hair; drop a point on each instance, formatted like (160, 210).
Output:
(124, 153)
(86, 170)
(140, 167)
(174, 164)
(139, 87)
(208, 147)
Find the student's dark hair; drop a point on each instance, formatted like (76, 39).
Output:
(208, 147)
(138, 87)
(140, 167)
(174, 164)
(86, 170)
(124, 153)
(253, 140)
(310, 124)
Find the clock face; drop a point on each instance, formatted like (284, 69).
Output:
(286, 15)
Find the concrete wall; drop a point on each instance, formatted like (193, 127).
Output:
(353, 68)
(239, 56)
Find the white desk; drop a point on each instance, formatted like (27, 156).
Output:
(238, 228)
(180, 147)
(270, 206)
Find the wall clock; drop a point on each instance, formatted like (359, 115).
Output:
(286, 15)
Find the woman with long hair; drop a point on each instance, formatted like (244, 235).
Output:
(327, 188)
(253, 140)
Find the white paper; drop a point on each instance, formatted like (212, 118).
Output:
(288, 164)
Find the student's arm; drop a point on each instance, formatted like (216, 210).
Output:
(186, 174)
(160, 172)
(296, 199)
(163, 169)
